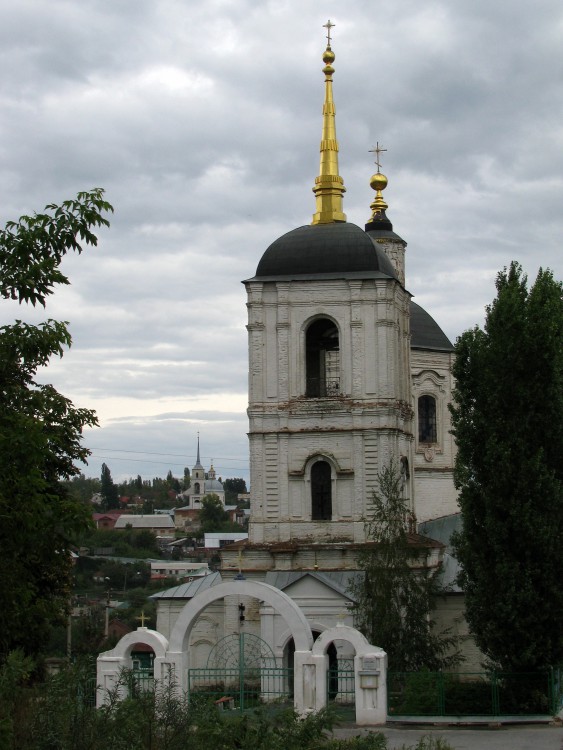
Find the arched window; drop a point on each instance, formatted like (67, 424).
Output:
(427, 432)
(321, 491)
(322, 359)
(196, 488)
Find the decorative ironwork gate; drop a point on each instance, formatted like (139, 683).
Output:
(241, 672)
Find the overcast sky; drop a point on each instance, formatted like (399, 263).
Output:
(202, 121)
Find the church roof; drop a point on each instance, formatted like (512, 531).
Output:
(442, 529)
(213, 485)
(197, 464)
(425, 332)
(188, 590)
(339, 581)
(340, 249)
(330, 247)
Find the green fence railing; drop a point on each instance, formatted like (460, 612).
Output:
(473, 693)
(240, 689)
(141, 681)
(557, 688)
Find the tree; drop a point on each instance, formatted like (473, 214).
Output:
(213, 516)
(507, 418)
(172, 482)
(397, 592)
(108, 489)
(83, 487)
(233, 487)
(40, 429)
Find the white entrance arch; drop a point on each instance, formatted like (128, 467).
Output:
(178, 653)
(310, 661)
(286, 607)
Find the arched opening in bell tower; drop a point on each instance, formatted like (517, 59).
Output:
(322, 359)
(321, 491)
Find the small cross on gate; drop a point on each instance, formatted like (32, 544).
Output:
(143, 618)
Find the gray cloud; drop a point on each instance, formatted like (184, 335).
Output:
(202, 121)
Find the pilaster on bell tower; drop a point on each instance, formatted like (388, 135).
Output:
(329, 383)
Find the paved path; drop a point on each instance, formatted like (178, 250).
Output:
(512, 737)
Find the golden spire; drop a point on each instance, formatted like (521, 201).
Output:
(378, 183)
(329, 186)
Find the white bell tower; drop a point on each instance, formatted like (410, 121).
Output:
(329, 369)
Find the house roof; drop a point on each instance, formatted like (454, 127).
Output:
(159, 521)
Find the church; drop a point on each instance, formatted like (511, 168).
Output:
(186, 517)
(347, 375)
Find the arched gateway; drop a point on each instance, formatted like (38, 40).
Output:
(310, 662)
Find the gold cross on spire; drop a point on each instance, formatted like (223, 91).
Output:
(377, 150)
(328, 26)
(143, 618)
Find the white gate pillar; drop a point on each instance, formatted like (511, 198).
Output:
(108, 671)
(370, 672)
(309, 682)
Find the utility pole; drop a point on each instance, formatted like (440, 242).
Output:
(106, 628)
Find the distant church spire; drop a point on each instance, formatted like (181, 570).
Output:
(198, 462)
(329, 185)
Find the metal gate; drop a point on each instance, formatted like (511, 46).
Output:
(341, 689)
(241, 672)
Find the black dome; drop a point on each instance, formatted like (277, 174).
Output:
(321, 249)
(425, 332)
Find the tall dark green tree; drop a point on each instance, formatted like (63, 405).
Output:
(40, 429)
(397, 593)
(108, 490)
(507, 418)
